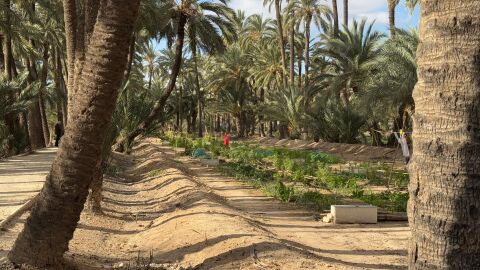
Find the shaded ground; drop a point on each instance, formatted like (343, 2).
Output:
(183, 214)
(21, 177)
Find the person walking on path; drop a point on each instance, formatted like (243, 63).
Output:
(58, 133)
(226, 140)
(402, 140)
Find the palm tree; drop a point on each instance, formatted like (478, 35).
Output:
(185, 14)
(346, 60)
(345, 13)
(55, 214)
(287, 106)
(392, 4)
(306, 11)
(281, 40)
(228, 79)
(335, 16)
(203, 36)
(411, 4)
(444, 208)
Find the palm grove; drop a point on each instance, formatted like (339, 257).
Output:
(96, 67)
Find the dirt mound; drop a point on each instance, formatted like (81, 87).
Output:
(353, 152)
(155, 214)
(169, 212)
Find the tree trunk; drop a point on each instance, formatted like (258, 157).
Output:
(391, 16)
(281, 42)
(160, 104)
(307, 48)
(70, 18)
(292, 51)
(335, 17)
(199, 92)
(34, 120)
(444, 205)
(345, 13)
(56, 211)
(41, 100)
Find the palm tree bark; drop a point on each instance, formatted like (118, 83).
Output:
(41, 98)
(391, 16)
(56, 212)
(292, 51)
(199, 93)
(345, 13)
(70, 18)
(160, 104)
(34, 120)
(444, 205)
(281, 41)
(308, 20)
(335, 17)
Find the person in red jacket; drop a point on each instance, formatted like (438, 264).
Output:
(226, 140)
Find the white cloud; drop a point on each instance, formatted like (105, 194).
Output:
(252, 7)
(370, 9)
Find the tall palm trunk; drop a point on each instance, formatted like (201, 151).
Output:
(8, 59)
(292, 51)
(160, 104)
(335, 17)
(70, 18)
(56, 212)
(41, 98)
(391, 16)
(307, 47)
(444, 205)
(199, 92)
(281, 41)
(34, 120)
(345, 13)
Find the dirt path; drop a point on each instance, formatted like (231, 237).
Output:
(170, 212)
(381, 246)
(22, 177)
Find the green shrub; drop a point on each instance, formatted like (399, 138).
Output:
(283, 192)
(315, 200)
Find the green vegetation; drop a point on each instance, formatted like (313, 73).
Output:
(305, 177)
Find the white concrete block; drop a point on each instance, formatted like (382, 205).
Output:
(354, 213)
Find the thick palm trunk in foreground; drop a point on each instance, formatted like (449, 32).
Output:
(444, 206)
(57, 209)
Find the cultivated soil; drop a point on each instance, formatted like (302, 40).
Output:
(171, 212)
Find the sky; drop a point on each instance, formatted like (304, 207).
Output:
(370, 9)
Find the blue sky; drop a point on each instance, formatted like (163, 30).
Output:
(370, 9)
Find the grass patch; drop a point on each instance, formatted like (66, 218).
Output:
(271, 168)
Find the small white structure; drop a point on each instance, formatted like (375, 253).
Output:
(354, 214)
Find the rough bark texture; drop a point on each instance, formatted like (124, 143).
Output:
(392, 4)
(444, 206)
(41, 99)
(70, 18)
(55, 214)
(35, 130)
(335, 17)
(281, 41)
(307, 47)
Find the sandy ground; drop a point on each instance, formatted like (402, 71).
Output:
(172, 212)
(21, 177)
